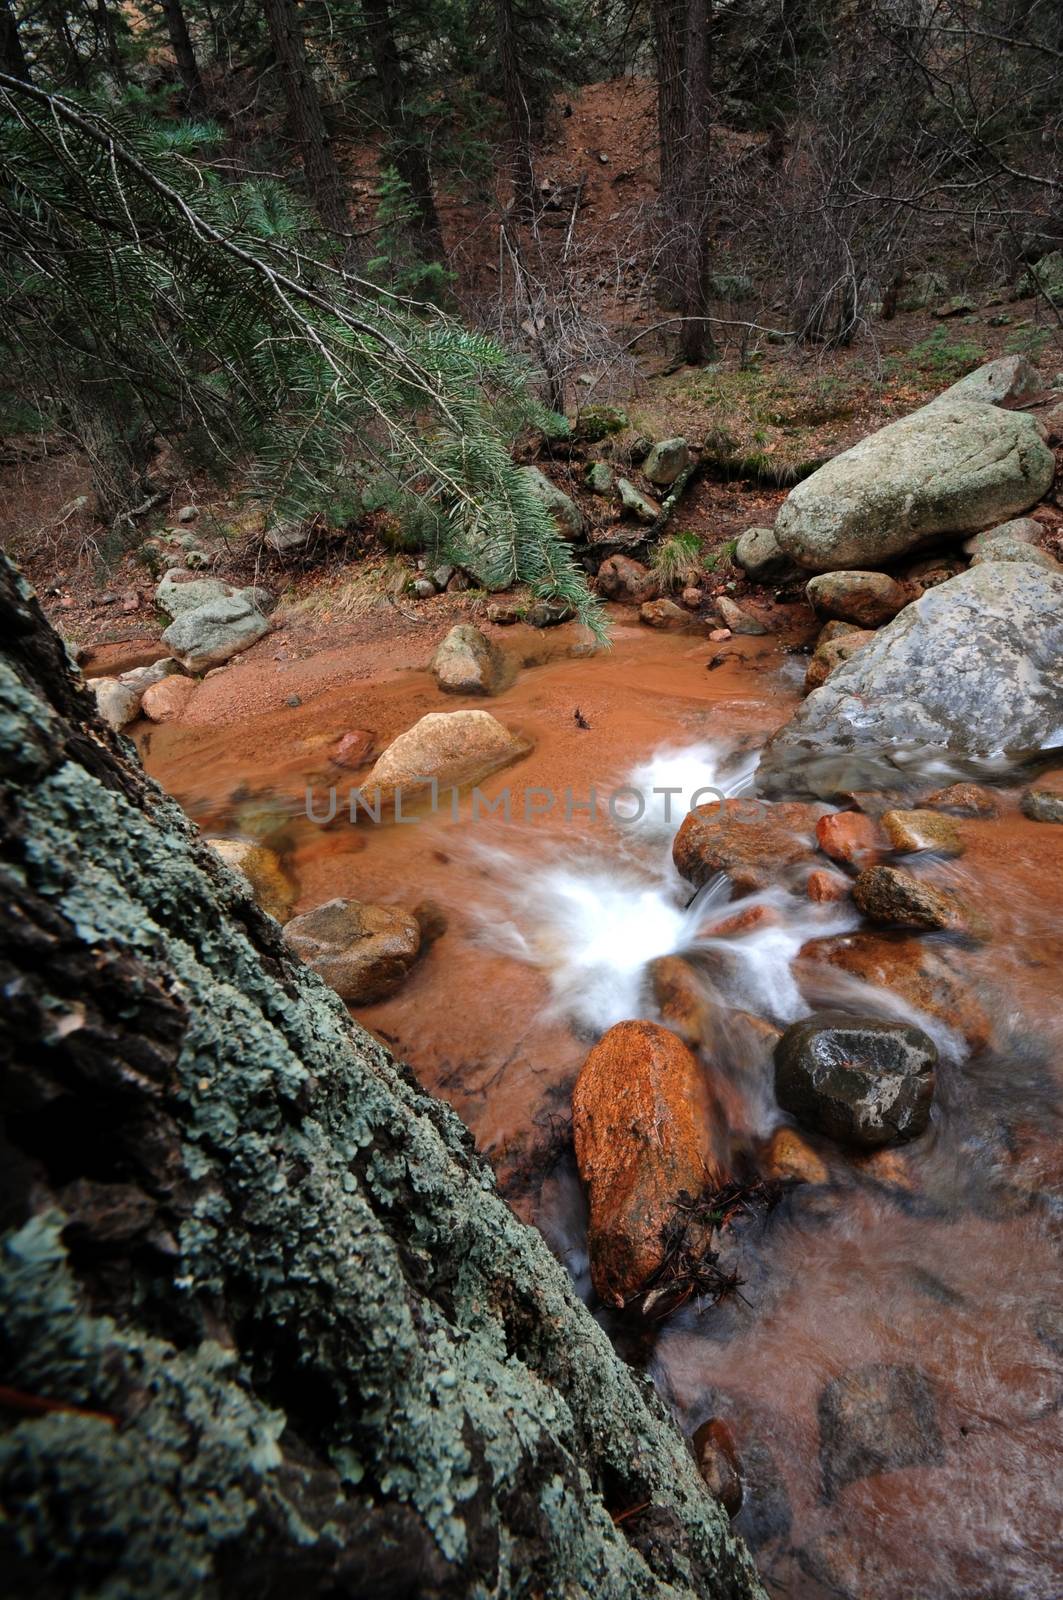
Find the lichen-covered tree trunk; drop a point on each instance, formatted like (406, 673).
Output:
(268, 1329)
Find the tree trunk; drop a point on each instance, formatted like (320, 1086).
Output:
(669, 29)
(695, 342)
(12, 56)
(520, 127)
(105, 30)
(268, 1328)
(409, 156)
(184, 53)
(323, 180)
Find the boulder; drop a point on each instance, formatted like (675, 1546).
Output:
(641, 1123)
(663, 614)
(466, 662)
(1009, 380)
(757, 553)
(116, 702)
(548, 614)
(876, 1418)
(178, 592)
(736, 618)
(963, 800)
(899, 899)
(635, 504)
(865, 598)
(912, 831)
(906, 966)
(952, 467)
(974, 667)
(263, 871)
(600, 479)
(787, 1158)
(453, 747)
(215, 632)
(1000, 549)
(167, 700)
(751, 843)
(626, 580)
(666, 461)
(1020, 530)
(1046, 278)
(856, 1079)
(1042, 805)
(832, 652)
(566, 513)
(362, 951)
(850, 837)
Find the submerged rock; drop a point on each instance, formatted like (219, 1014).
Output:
(1042, 805)
(362, 951)
(865, 598)
(717, 1458)
(790, 1159)
(893, 896)
(857, 1079)
(906, 966)
(751, 843)
(641, 1126)
(876, 1418)
(263, 871)
(466, 662)
(452, 747)
(974, 666)
(963, 799)
(953, 467)
(913, 831)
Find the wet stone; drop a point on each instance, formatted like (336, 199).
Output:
(876, 1418)
(895, 897)
(912, 831)
(858, 1080)
(1042, 805)
(717, 1459)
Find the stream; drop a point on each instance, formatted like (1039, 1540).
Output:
(938, 1260)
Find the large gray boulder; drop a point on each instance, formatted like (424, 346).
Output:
(566, 512)
(178, 592)
(974, 667)
(214, 632)
(955, 466)
(1009, 380)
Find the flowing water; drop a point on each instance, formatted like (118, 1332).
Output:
(940, 1259)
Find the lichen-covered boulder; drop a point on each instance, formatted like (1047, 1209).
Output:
(566, 513)
(1009, 380)
(666, 460)
(215, 632)
(636, 504)
(757, 552)
(974, 667)
(953, 467)
(641, 1123)
(466, 662)
(179, 591)
(856, 1079)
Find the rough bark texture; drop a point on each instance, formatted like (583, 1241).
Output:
(520, 122)
(324, 180)
(184, 52)
(268, 1329)
(405, 143)
(12, 55)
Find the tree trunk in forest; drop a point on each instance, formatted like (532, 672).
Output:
(268, 1328)
(12, 56)
(695, 341)
(105, 30)
(411, 161)
(520, 126)
(323, 179)
(669, 29)
(184, 53)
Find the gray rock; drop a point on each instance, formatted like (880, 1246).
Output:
(214, 632)
(865, 598)
(441, 576)
(974, 667)
(423, 588)
(856, 1079)
(876, 1418)
(1045, 278)
(757, 553)
(466, 662)
(666, 461)
(732, 616)
(921, 290)
(1008, 380)
(1042, 805)
(548, 614)
(116, 702)
(635, 504)
(600, 479)
(362, 951)
(953, 467)
(289, 536)
(177, 592)
(1022, 530)
(567, 515)
(1001, 549)
(188, 514)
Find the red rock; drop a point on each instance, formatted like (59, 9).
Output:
(852, 837)
(680, 997)
(352, 749)
(740, 922)
(831, 654)
(167, 700)
(787, 1158)
(626, 580)
(751, 841)
(718, 635)
(905, 965)
(965, 799)
(641, 1123)
(717, 1459)
(824, 886)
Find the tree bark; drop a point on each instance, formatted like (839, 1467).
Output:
(408, 151)
(695, 341)
(268, 1328)
(323, 179)
(522, 171)
(12, 56)
(105, 30)
(184, 53)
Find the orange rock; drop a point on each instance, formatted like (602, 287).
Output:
(908, 967)
(641, 1125)
(680, 997)
(788, 1159)
(752, 842)
(824, 886)
(889, 1167)
(167, 700)
(850, 836)
(352, 749)
(741, 922)
(717, 1459)
(912, 831)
